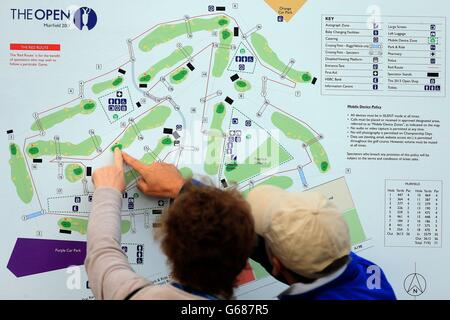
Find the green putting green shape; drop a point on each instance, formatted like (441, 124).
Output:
(179, 75)
(242, 85)
(74, 172)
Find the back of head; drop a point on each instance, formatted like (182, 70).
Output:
(207, 235)
(303, 230)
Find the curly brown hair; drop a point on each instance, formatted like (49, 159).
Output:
(208, 235)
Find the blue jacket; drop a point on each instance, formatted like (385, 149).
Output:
(350, 285)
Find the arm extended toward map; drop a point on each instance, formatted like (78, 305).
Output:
(110, 275)
(158, 179)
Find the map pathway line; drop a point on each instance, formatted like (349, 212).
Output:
(179, 157)
(69, 162)
(207, 84)
(104, 74)
(169, 153)
(280, 172)
(86, 215)
(187, 59)
(309, 156)
(59, 106)
(281, 83)
(156, 26)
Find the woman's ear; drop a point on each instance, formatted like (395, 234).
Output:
(276, 266)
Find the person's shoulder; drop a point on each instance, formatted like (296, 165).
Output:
(163, 292)
(369, 271)
(355, 258)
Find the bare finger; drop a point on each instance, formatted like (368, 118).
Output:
(118, 160)
(134, 163)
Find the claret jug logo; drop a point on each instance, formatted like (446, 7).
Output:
(85, 17)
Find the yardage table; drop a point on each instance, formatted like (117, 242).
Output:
(413, 213)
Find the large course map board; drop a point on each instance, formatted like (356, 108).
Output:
(344, 97)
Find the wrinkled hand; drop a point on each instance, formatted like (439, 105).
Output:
(111, 176)
(158, 179)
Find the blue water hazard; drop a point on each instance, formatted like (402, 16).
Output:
(33, 215)
(302, 177)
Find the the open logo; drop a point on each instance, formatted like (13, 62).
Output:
(85, 18)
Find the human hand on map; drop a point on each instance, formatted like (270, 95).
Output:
(111, 176)
(158, 179)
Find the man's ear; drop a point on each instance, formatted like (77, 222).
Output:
(276, 266)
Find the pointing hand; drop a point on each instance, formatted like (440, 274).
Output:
(158, 179)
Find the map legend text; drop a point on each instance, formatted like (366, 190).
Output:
(386, 56)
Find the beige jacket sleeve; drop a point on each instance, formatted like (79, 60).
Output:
(109, 273)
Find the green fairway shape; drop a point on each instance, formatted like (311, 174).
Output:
(295, 130)
(105, 85)
(80, 225)
(186, 172)
(19, 174)
(48, 148)
(271, 58)
(215, 140)
(222, 54)
(84, 107)
(270, 150)
(171, 60)
(356, 230)
(169, 31)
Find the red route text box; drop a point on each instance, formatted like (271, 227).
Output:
(35, 46)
